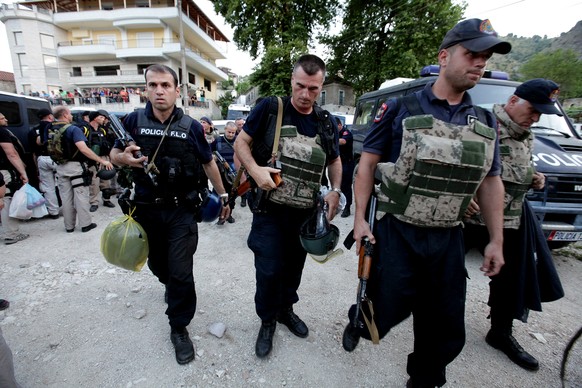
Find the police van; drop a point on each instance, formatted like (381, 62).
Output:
(557, 151)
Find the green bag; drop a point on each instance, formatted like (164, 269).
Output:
(124, 243)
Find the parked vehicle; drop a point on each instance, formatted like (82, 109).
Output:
(557, 151)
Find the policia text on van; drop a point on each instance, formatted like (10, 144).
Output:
(557, 151)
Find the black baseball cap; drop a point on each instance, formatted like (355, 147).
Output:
(476, 35)
(42, 113)
(205, 118)
(541, 93)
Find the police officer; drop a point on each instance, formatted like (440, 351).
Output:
(166, 208)
(516, 288)
(47, 168)
(72, 175)
(346, 146)
(419, 262)
(274, 236)
(98, 141)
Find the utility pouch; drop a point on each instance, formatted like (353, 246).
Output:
(192, 201)
(87, 175)
(258, 200)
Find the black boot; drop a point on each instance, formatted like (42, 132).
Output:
(243, 201)
(504, 341)
(182, 344)
(293, 322)
(264, 343)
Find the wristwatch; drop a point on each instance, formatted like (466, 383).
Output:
(337, 190)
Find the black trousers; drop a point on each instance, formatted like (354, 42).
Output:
(173, 239)
(347, 177)
(279, 258)
(420, 271)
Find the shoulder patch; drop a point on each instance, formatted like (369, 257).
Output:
(380, 112)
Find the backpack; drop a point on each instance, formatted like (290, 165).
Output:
(57, 149)
(4, 162)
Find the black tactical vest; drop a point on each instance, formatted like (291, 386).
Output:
(176, 158)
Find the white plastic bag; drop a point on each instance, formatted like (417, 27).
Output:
(18, 206)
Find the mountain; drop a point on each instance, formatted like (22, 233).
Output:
(524, 48)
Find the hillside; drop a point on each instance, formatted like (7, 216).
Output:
(523, 48)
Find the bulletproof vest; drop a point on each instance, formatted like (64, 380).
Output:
(225, 148)
(515, 151)
(438, 171)
(97, 140)
(302, 164)
(176, 158)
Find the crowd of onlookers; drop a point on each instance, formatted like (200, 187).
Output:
(113, 95)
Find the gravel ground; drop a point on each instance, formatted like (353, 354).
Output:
(76, 321)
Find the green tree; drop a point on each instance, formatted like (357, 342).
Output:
(279, 30)
(386, 39)
(224, 101)
(561, 66)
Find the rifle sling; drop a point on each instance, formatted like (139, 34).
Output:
(370, 324)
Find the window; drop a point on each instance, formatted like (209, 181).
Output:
(106, 70)
(323, 95)
(142, 68)
(18, 38)
(341, 97)
(22, 66)
(107, 5)
(208, 85)
(50, 66)
(191, 79)
(47, 41)
(145, 39)
(106, 39)
(77, 72)
(142, 3)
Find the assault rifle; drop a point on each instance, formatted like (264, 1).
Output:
(126, 140)
(228, 176)
(364, 266)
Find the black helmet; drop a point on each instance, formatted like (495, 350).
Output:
(318, 237)
(105, 174)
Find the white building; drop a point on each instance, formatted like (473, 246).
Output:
(89, 44)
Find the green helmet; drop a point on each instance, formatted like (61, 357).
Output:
(318, 236)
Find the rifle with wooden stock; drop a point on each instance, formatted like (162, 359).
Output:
(364, 267)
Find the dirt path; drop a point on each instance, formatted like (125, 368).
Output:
(76, 321)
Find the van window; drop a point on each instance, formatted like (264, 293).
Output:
(12, 112)
(366, 112)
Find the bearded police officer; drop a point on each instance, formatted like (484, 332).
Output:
(437, 156)
(518, 288)
(308, 139)
(166, 207)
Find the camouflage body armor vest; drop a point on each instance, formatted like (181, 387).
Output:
(303, 162)
(515, 150)
(439, 169)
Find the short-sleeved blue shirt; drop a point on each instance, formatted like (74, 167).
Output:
(385, 136)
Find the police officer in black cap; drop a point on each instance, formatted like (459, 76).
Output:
(418, 263)
(529, 276)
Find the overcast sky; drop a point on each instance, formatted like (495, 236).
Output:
(520, 17)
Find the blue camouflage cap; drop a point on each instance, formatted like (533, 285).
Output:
(476, 35)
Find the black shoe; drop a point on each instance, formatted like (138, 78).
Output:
(346, 212)
(4, 304)
(411, 383)
(264, 343)
(350, 338)
(88, 227)
(293, 322)
(70, 230)
(53, 216)
(509, 345)
(183, 345)
(220, 222)
(230, 220)
(93, 208)
(243, 202)
(108, 204)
